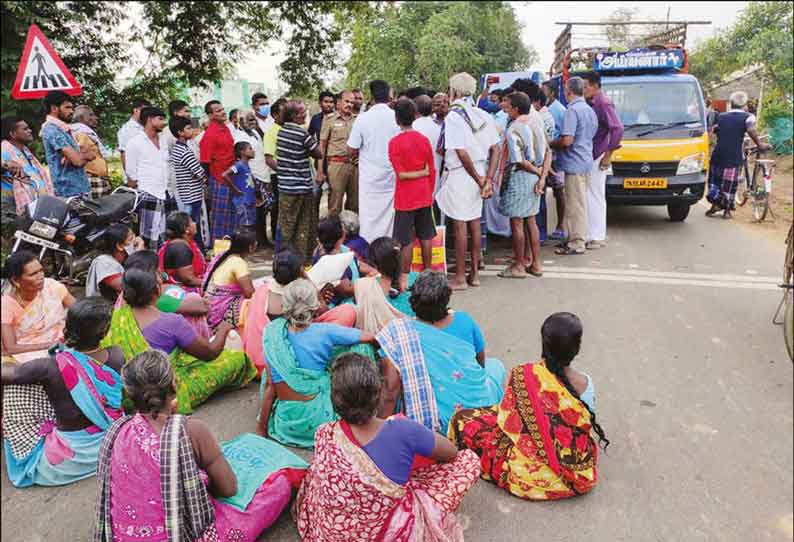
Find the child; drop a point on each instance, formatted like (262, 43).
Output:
(414, 165)
(191, 179)
(239, 178)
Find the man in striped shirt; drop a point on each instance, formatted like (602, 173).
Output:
(297, 217)
(190, 176)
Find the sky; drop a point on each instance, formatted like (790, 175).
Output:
(539, 31)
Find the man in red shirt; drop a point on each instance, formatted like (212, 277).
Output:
(412, 158)
(217, 155)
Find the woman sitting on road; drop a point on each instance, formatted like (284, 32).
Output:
(536, 443)
(173, 298)
(162, 476)
(330, 241)
(227, 282)
(203, 367)
(296, 396)
(57, 408)
(353, 240)
(180, 256)
(104, 275)
(268, 306)
(33, 308)
(388, 495)
(435, 371)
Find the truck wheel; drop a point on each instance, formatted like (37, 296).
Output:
(678, 211)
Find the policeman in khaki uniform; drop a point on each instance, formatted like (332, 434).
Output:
(342, 171)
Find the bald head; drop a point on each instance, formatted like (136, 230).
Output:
(424, 105)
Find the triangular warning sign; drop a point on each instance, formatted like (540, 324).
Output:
(41, 70)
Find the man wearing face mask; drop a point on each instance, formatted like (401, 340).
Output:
(147, 170)
(261, 106)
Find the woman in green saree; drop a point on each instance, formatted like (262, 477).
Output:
(296, 394)
(202, 367)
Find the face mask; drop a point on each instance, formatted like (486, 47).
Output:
(264, 110)
(129, 249)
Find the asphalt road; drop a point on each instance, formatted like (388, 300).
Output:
(693, 384)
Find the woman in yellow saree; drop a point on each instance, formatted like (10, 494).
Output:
(536, 442)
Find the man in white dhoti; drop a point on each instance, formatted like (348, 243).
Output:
(470, 139)
(369, 140)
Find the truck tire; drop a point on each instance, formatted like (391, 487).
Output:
(678, 211)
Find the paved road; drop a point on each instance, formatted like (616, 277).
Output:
(694, 389)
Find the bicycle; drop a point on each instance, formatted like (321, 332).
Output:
(787, 302)
(758, 186)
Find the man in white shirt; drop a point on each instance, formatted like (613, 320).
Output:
(130, 129)
(147, 171)
(369, 140)
(470, 141)
(425, 125)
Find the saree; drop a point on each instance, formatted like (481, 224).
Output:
(45, 455)
(197, 379)
(35, 181)
(456, 379)
(536, 442)
(375, 508)
(294, 422)
(226, 303)
(40, 321)
(164, 494)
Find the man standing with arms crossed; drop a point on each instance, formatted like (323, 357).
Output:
(369, 141)
(342, 172)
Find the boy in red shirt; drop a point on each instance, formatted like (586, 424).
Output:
(412, 158)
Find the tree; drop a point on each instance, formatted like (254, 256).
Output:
(423, 43)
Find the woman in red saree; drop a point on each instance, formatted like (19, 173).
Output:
(371, 479)
(536, 442)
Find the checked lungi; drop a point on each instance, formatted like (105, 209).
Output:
(723, 183)
(152, 212)
(100, 186)
(223, 218)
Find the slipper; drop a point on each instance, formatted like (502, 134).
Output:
(565, 251)
(458, 287)
(529, 270)
(508, 273)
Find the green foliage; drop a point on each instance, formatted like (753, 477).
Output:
(423, 43)
(763, 35)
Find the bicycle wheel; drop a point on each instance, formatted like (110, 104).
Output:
(743, 189)
(760, 206)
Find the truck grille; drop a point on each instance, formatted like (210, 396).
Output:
(634, 169)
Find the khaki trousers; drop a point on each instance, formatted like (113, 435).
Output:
(576, 210)
(343, 178)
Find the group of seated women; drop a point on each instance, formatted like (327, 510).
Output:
(375, 372)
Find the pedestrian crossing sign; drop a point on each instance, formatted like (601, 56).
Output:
(41, 70)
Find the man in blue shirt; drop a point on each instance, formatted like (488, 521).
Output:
(575, 158)
(64, 158)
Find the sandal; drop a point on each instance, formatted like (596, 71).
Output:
(529, 270)
(566, 251)
(509, 273)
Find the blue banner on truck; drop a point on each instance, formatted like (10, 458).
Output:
(640, 59)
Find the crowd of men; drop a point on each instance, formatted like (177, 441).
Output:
(242, 166)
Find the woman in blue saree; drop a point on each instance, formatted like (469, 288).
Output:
(436, 371)
(57, 409)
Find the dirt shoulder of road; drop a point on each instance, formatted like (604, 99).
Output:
(781, 201)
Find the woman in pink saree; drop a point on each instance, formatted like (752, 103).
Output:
(401, 482)
(164, 477)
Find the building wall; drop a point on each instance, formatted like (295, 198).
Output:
(233, 94)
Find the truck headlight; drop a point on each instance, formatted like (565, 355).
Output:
(691, 164)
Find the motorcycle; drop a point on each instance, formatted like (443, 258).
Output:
(69, 229)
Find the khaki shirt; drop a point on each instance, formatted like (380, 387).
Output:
(336, 130)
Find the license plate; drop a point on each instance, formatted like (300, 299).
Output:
(24, 236)
(646, 182)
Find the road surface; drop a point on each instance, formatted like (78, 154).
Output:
(693, 385)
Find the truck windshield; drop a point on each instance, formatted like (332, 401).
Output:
(664, 105)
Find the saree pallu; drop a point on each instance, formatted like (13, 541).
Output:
(295, 422)
(41, 321)
(197, 379)
(145, 496)
(457, 379)
(45, 455)
(536, 443)
(375, 508)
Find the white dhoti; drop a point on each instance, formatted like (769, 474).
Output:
(375, 214)
(597, 203)
(459, 197)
